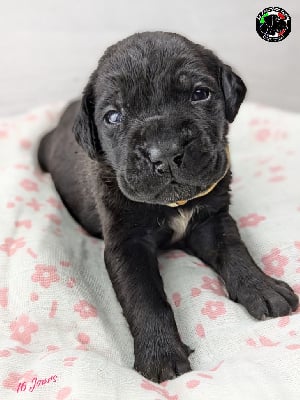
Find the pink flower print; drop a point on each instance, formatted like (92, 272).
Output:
(3, 134)
(69, 361)
(283, 321)
(296, 288)
(53, 309)
(39, 175)
(265, 160)
(251, 220)
(277, 178)
(274, 263)
(276, 168)
(65, 263)
(25, 144)
(29, 185)
(148, 385)
(20, 350)
(293, 346)
(251, 342)
(34, 296)
(195, 292)
(54, 218)
(71, 282)
(84, 340)
(26, 223)
(55, 203)
(200, 330)
(85, 309)
(267, 342)
(263, 134)
(217, 366)
(213, 309)
(34, 204)
(11, 245)
(192, 383)
(22, 329)
(235, 180)
(21, 166)
(205, 375)
(214, 285)
(4, 353)
(176, 299)
(52, 347)
(31, 253)
(3, 297)
(64, 393)
(45, 275)
(11, 382)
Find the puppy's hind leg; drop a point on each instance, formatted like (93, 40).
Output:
(44, 150)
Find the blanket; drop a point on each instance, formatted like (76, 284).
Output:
(63, 334)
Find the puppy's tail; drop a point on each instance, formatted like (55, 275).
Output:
(44, 151)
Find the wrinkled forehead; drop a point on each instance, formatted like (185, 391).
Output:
(144, 75)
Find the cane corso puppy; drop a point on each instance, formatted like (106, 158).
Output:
(142, 162)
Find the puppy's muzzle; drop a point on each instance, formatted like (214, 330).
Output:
(162, 161)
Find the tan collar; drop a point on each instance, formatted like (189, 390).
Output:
(205, 192)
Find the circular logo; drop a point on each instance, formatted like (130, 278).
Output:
(273, 24)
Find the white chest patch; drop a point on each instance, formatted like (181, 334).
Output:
(179, 224)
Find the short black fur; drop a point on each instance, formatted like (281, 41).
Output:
(117, 181)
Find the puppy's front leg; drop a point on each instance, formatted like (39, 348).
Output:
(133, 268)
(218, 243)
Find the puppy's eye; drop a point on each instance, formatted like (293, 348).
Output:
(200, 93)
(113, 117)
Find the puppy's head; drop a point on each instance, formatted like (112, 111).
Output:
(157, 108)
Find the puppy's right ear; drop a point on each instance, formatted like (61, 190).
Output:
(84, 126)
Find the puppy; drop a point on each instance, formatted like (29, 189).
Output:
(142, 162)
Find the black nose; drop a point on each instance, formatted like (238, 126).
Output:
(162, 160)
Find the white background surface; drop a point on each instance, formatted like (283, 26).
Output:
(49, 48)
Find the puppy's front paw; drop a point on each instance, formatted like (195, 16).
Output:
(160, 360)
(267, 297)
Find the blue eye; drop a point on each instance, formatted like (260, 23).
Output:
(200, 93)
(113, 117)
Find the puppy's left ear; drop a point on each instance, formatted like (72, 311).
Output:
(234, 91)
(84, 127)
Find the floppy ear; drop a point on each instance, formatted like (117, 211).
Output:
(234, 91)
(84, 126)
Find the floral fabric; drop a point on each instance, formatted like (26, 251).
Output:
(63, 334)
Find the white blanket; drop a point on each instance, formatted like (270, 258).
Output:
(63, 334)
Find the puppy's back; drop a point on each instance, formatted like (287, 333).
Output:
(48, 144)
(71, 171)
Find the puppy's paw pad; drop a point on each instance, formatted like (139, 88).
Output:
(165, 365)
(268, 298)
(172, 369)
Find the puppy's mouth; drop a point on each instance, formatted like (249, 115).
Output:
(176, 186)
(173, 192)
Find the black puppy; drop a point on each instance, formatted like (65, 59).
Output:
(151, 172)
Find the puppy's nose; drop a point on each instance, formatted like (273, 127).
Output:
(162, 161)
